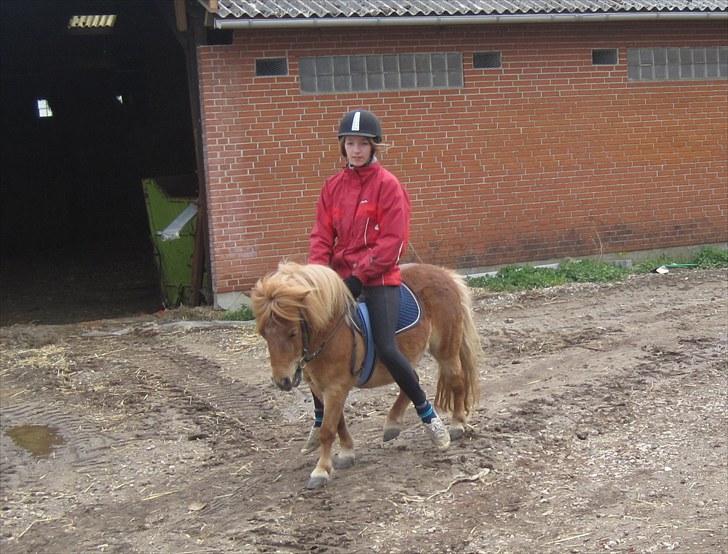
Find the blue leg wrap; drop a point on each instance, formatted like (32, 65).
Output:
(426, 412)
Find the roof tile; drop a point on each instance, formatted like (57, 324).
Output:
(276, 9)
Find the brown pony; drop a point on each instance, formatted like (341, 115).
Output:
(303, 313)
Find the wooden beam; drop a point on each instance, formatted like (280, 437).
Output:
(201, 252)
(180, 15)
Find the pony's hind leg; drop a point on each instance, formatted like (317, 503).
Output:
(450, 394)
(393, 423)
(346, 457)
(313, 441)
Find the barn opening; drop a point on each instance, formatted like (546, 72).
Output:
(89, 107)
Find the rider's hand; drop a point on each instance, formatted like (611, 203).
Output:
(354, 285)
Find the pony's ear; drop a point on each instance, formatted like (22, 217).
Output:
(257, 289)
(303, 296)
(305, 306)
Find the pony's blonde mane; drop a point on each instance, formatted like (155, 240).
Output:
(312, 292)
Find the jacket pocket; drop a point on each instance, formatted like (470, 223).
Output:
(371, 232)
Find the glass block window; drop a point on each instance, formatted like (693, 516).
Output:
(677, 64)
(331, 74)
(486, 60)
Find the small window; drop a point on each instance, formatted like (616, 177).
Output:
(486, 60)
(269, 67)
(607, 56)
(44, 108)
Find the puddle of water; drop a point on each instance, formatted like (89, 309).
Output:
(39, 440)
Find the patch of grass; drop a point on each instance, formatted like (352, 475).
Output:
(525, 277)
(519, 277)
(242, 314)
(591, 271)
(649, 264)
(711, 257)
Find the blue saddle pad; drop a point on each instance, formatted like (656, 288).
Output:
(409, 316)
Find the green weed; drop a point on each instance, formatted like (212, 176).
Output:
(242, 314)
(711, 257)
(519, 277)
(526, 277)
(591, 271)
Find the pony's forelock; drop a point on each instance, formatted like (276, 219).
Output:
(295, 291)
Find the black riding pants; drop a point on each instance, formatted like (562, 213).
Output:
(383, 306)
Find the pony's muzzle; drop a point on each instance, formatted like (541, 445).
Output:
(284, 384)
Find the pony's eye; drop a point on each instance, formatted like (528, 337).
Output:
(292, 333)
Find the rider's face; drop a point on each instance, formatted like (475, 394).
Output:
(358, 150)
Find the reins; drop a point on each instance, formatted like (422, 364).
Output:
(310, 356)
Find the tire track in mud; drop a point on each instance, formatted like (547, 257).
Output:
(266, 419)
(198, 387)
(599, 378)
(84, 446)
(576, 410)
(251, 416)
(240, 421)
(181, 382)
(158, 382)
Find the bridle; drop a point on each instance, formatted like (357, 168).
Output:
(308, 356)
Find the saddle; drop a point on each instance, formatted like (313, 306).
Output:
(409, 316)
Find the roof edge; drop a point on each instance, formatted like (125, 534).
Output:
(322, 22)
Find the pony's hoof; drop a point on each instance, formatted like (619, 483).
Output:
(344, 461)
(391, 433)
(456, 432)
(316, 482)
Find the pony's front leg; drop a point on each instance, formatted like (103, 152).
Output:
(334, 408)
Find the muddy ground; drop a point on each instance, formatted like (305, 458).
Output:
(602, 428)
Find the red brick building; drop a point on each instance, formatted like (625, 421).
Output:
(521, 135)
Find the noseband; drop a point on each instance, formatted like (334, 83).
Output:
(308, 356)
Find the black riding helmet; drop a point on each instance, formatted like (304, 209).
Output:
(361, 123)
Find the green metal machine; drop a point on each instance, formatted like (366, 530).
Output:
(172, 223)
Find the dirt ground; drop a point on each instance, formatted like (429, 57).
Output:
(602, 428)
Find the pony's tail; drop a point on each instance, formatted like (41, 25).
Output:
(470, 354)
(471, 351)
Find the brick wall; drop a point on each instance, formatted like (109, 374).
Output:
(547, 156)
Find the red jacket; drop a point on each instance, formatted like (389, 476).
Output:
(362, 225)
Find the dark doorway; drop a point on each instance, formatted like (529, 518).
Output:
(86, 114)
